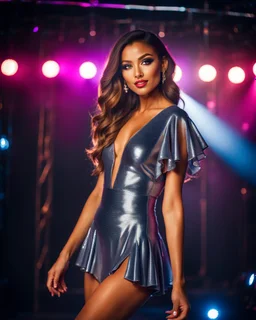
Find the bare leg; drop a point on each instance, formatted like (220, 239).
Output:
(115, 298)
(90, 285)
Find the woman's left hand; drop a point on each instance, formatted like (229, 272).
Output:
(180, 303)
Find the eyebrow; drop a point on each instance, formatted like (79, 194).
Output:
(143, 56)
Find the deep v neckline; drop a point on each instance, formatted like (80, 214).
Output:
(126, 145)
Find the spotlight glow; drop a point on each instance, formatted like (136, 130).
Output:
(4, 143)
(207, 73)
(177, 74)
(251, 279)
(213, 314)
(50, 69)
(9, 67)
(87, 70)
(254, 68)
(236, 75)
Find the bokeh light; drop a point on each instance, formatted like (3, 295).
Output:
(236, 75)
(254, 68)
(9, 67)
(207, 73)
(245, 126)
(88, 70)
(177, 74)
(50, 69)
(213, 314)
(251, 279)
(4, 143)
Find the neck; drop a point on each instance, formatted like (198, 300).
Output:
(153, 100)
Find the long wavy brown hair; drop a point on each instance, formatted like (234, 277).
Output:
(115, 107)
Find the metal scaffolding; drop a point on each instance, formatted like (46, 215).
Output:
(44, 192)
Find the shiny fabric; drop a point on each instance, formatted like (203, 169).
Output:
(125, 224)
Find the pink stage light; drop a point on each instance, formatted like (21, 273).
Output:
(211, 104)
(245, 126)
(177, 74)
(254, 68)
(87, 70)
(50, 69)
(9, 67)
(236, 75)
(207, 73)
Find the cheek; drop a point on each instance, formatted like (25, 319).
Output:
(154, 73)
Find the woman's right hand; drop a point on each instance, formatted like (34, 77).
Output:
(55, 281)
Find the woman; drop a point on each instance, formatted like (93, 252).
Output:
(143, 144)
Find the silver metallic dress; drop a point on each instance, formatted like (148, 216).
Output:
(125, 223)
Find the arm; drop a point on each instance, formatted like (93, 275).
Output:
(173, 212)
(85, 220)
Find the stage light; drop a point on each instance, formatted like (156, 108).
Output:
(35, 29)
(213, 314)
(177, 74)
(211, 104)
(254, 68)
(4, 143)
(251, 279)
(87, 70)
(236, 75)
(50, 69)
(92, 33)
(9, 67)
(245, 126)
(207, 73)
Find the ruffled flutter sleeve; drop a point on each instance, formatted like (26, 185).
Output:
(180, 126)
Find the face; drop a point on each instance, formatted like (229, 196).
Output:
(141, 68)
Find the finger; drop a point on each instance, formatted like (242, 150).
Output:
(182, 315)
(63, 284)
(172, 314)
(55, 292)
(49, 280)
(50, 285)
(56, 280)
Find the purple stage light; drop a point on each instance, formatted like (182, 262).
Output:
(50, 69)
(87, 70)
(9, 67)
(36, 29)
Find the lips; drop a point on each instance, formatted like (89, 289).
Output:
(141, 83)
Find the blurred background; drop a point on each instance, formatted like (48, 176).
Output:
(52, 54)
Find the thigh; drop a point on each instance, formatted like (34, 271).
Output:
(90, 285)
(115, 298)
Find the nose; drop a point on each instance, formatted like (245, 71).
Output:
(138, 72)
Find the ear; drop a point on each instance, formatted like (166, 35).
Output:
(164, 64)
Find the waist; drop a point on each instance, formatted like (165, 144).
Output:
(122, 208)
(126, 201)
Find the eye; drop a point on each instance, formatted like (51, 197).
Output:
(147, 61)
(126, 66)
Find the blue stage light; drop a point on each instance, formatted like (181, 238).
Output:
(213, 314)
(251, 279)
(4, 143)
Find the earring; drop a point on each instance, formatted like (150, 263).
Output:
(126, 89)
(163, 77)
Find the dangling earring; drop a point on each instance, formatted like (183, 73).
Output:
(163, 77)
(126, 89)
